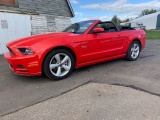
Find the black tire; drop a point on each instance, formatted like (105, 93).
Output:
(129, 55)
(50, 57)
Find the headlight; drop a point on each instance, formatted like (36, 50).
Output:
(10, 51)
(25, 51)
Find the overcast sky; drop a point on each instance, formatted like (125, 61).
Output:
(106, 9)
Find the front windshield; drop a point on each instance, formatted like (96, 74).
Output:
(80, 27)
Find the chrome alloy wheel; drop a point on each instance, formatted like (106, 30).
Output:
(135, 50)
(60, 64)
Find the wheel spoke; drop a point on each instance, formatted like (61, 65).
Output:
(137, 49)
(137, 53)
(132, 54)
(52, 66)
(67, 68)
(66, 58)
(58, 71)
(135, 45)
(58, 58)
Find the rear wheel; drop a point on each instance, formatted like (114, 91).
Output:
(58, 64)
(133, 51)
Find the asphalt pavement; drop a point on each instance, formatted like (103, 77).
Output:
(19, 92)
(94, 102)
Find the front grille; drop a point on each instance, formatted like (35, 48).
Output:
(10, 51)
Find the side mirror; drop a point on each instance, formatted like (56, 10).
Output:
(98, 30)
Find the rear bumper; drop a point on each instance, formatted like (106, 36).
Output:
(24, 65)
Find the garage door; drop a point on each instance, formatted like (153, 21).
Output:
(12, 27)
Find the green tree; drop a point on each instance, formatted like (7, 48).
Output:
(147, 11)
(115, 19)
(126, 20)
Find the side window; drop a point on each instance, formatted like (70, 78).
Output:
(99, 26)
(111, 27)
(102, 25)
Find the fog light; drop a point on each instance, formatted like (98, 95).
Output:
(21, 66)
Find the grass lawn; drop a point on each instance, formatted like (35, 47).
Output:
(153, 34)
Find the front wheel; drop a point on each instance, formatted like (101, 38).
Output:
(58, 64)
(133, 51)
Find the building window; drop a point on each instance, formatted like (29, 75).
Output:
(8, 2)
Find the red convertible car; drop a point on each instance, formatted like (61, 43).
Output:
(81, 44)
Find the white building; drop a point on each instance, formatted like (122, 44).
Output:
(21, 18)
(151, 21)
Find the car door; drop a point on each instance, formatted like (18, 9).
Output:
(112, 44)
(106, 44)
(91, 47)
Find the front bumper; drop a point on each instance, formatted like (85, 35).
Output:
(24, 65)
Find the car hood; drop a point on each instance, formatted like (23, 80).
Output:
(28, 41)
